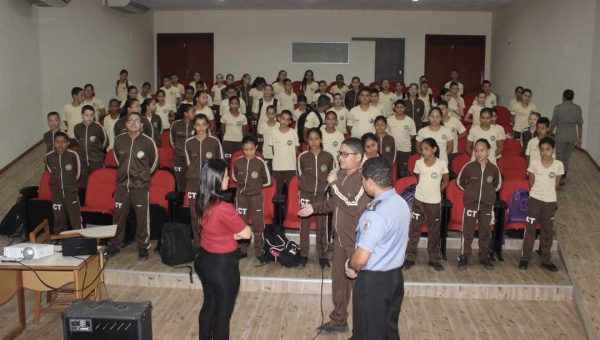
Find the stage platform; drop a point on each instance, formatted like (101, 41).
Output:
(506, 281)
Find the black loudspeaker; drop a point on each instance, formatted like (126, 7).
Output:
(79, 246)
(108, 320)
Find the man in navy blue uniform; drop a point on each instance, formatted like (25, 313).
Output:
(382, 236)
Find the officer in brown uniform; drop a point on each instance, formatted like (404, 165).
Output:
(314, 166)
(137, 158)
(197, 150)
(479, 179)
(251, 175)
(64, 167)
(92, 141)
(181, 131)
(347, 203)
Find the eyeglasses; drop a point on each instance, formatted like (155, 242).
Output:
(134, 121)
(346, 154)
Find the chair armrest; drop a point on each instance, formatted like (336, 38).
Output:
(174, 196)
(28, 193)
(446, 203)
(279, 199)
(500, 204)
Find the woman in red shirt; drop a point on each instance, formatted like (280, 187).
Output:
(220, 227)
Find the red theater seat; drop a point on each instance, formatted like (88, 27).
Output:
(99, 197)
(165, 158)
(162, 183)
(513, 167)
(503, 116)
(508, 189)
(292, 220)
(469, 99)
(403, 183)
(458, 162)
(512, 147)
(109, 159)
(412, 161)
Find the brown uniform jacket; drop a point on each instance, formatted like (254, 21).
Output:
(251, 175)
(244, 91)
(387, 148)
(157, 129)
(197, 152)
(121, 127)
(64, 171)
(351, 99)
(313, 171)
(92, 142)
(479, 185)
(348, 201)
(415, 111)
(180, 133)
(137, 159)
(49, 139)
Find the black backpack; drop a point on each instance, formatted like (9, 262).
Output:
(302, 121)
(261, 101)
(279, 249)
(13, 224)
(175, 247)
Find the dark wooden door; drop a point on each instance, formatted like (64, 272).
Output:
(185, 54)
(389, 60)
(466, 53)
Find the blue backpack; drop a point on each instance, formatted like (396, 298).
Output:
(409, 194)
(517, 206)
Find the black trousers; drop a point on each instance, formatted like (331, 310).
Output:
(376, 303)
(220, 277)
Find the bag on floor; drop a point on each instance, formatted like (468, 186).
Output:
(517, 206)
(13, 224)
(280, 249)
(409, 194)
(175, 247)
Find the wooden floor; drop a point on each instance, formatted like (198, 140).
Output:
(266, 316)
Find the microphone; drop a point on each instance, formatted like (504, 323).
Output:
(329, 184)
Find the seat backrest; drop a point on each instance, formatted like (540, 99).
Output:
(165, 156)
(512, 147)
(503, 115)
(455, 195)
(293, 199)
(510, 186)
(513, 167)
(436, 92)
(412, 161)
(372, 85)
(165, 138)
(462, 146)
(458, 162)
(404, 183)
(237, 83)
(161, 184)
(109, 159)
(100, 189)
(469, 98)
(44, 191)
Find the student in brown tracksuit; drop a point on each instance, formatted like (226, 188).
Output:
(251, 175)
(387, 143)
(92, 142)
(415, 107)
(148, 110)
(54, 125)
(347, 203)
(479, 179)
(197, 149)
(132, 105)
(314, 165)
(181, 131)
(137, 157)
(352, 97)
(64, 167)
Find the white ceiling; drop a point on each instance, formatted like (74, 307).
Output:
(407, 5)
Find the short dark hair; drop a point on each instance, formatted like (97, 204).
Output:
(323, 101)
(537, 114)
(248, 139)
(380, 118)
(287, 80)
(331, 113)
(569, 94)
(527, 90)
(519, 88)
(486, 82)
(190, 88)
(484, 141)
(486, 110)
(87, 108)
(399, 102)
(285, 112)
(548, 140)
(146, 84)
(379, 170)
(453, 83)
(544, 120)
(271, 107)
(371, 91)
(302, 99)
(442, 102)
(230, 87)
(364, 89)
(355, 144)
(337, 94)
(355, 77)
(75, 91)
(53, 113)
(61, 134)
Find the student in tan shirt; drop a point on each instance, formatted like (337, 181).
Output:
(90, 99)
(122, 85)
(488, 132)
(230, 92)
(215, 91)
(202, 87)
(456, 104)
(279, 84)
(442, 135)
(172, 94)
(375, 103)
(309, 86)
(362, 117)
(260, 105)
(234, 126)
(403, 129)
(302, 107)
(109, 122)
(197, 79)
(175, 83)
(458, 129)
(257, 90)
(341, 113)
(387, 98)
(132, 93)
(286, 99)
(264, 136)
(188, 95)
(533, 146)
(145, 94)
(473, 115)
(491, 99)
(518, 97)
(332, 137)
(201, 106)
(454, 79)
(284, 143)
(229, 80)
(520, 113)
(426, 98)
(321, 92)
(71, 113)
(164, 110)
(339, 87)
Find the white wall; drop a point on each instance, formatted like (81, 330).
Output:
(593, 123)
(550, 50)
(259, 42)
(20, 88)
(85, 42)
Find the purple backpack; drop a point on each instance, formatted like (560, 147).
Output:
(517, 207)
(409, 194)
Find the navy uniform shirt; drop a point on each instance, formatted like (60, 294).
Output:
(383, 231)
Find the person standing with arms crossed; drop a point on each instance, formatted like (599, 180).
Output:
(347, 203)
(568, 119)
(382, 237)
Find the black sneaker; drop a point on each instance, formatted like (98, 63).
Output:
(462, 263)
(302, 263)
(487, 263)
(324, 263)
(436, 265)
(550, 266)
(408, 264)
(143, 254)
(111, 251)
(242, 255)
(523, 265)
(263, 259)
(328, 328)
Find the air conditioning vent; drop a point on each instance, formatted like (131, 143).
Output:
(126, 6)
(49, 3)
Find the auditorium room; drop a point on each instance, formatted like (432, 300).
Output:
(299, 169)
